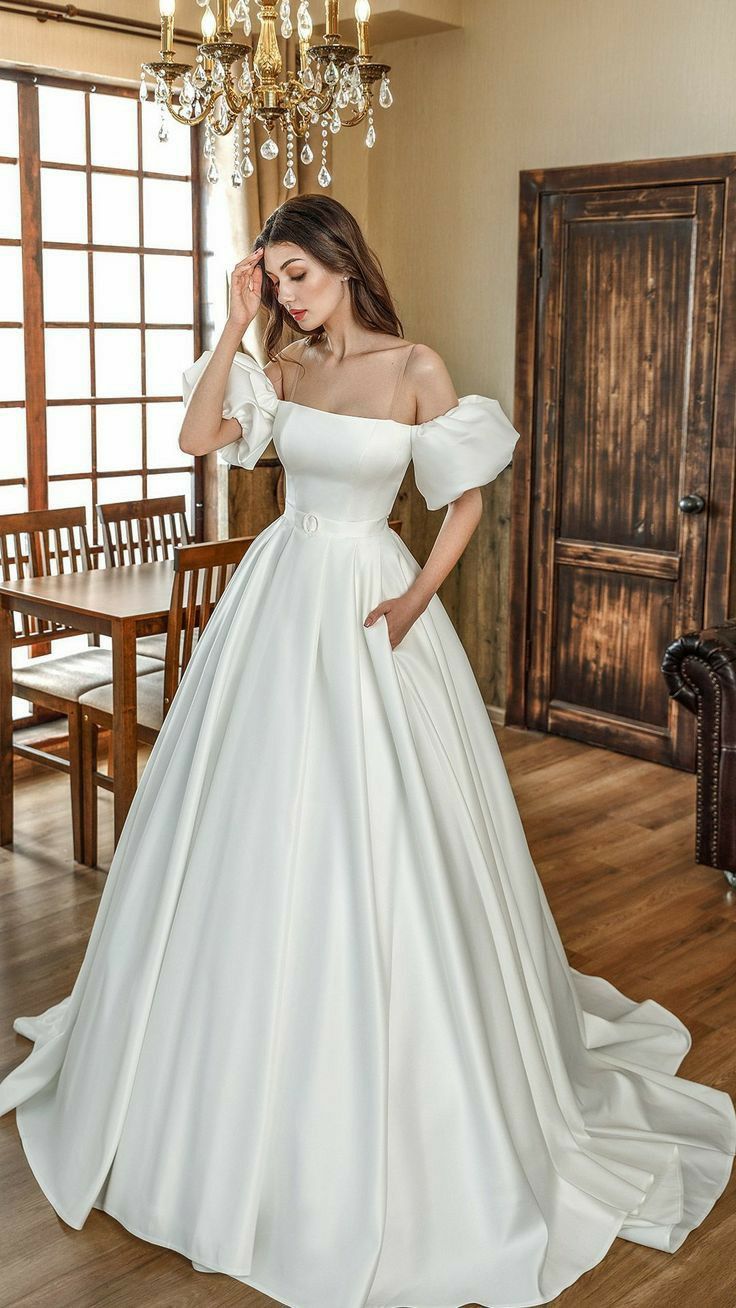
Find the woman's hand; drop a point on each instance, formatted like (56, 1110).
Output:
(245, 290)
(401, 613)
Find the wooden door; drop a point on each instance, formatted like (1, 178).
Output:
(622, 427)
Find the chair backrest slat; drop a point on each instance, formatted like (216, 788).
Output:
(136, 531)
(193, 599)
(43, 542)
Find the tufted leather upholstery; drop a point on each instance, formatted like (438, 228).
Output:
(700, 670)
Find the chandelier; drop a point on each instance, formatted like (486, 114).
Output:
(226, 93)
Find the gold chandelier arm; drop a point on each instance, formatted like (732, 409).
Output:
(223, 131)
(235, 102)
(195, 118)
(358, 117)
(324, 106)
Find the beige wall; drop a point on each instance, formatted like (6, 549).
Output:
(526, 83)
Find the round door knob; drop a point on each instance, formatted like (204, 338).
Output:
(692, 504)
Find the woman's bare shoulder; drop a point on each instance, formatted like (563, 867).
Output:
(429, 377)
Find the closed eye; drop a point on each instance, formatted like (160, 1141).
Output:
(300, 278)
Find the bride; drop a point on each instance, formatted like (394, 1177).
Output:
(325, 1038)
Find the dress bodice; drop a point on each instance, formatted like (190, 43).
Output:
(351, 467)
(339, 465)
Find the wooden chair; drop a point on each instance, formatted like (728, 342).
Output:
(144, 531)
(47, 542)
(201, 573)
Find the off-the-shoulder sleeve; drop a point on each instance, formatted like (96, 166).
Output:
(465, 447)
(250, 397)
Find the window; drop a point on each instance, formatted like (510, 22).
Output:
(99, 289)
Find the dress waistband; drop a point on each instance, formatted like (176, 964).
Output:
(313, 523)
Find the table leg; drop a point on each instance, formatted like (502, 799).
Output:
(124, 720)
(6, 727)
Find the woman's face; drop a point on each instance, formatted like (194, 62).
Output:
(300, 282)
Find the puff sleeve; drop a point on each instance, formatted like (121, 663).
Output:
(250, 397)
(465, 447)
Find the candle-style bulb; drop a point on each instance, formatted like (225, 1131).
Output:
(362, 11)
(166, 8)
(209, 26)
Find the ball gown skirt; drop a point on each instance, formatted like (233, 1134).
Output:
(325, 1038)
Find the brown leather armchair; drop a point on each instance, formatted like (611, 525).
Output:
(700, 670)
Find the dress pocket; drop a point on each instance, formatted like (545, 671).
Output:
(380, 625)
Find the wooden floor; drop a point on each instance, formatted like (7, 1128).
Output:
(612, 838)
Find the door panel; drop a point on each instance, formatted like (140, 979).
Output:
(627, 311)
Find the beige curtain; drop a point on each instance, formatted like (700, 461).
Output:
(234, 216)
(231, 218)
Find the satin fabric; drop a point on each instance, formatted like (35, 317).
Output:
(325, 1038)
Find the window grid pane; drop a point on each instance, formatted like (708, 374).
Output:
(123, 361)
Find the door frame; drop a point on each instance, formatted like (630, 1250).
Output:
(720, 560)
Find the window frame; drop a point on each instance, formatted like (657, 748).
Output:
(31, 245)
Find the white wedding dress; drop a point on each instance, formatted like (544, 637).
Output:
(325, 1038)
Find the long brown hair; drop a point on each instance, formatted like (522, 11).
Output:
(329, 232)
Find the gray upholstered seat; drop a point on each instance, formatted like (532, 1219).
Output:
(154, 647)
(70, 675)
(149, 693)
(149, 699)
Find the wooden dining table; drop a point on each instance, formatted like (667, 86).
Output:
(122, 603)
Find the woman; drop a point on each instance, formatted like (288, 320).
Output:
(325, 1038)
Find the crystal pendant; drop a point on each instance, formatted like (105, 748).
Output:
(223, 114)
(306, 155)
(269, 149)
(335, 122)
(240, 13)
(385, 98)
(331, 73)
(289, 178)
(370, 137)
(323, 176)
(248, 166)
(237, 178)
(212, 172)
(163, 132)
(143, 93)
(245, 81)
(199, 77)
(203, 3)
(303, 23)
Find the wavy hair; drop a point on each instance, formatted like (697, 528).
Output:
(329, 232)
